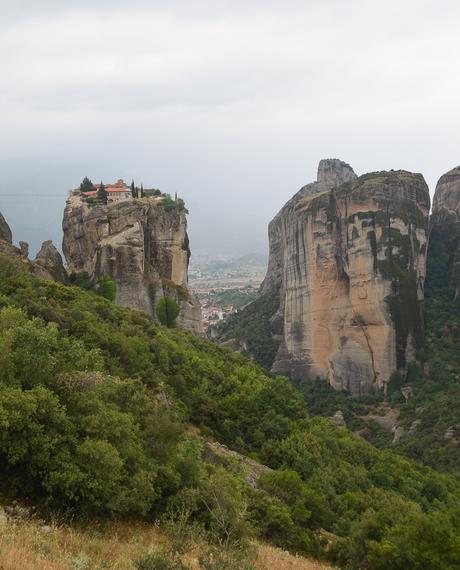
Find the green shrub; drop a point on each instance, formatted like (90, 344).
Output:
(107, 288)
(161, 560)
(168, 203)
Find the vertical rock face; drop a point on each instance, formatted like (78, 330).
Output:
(5, 231)
(141, 244)
(348, 257)
(445, 222)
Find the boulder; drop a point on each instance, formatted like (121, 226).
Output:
(338, 419)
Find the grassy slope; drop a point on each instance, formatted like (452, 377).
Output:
(114, 546)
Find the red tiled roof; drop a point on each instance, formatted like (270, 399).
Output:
(115, 187)
(108, 189)
(118, 184)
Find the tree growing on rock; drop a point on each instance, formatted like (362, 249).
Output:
(86, 185)
(102, 193)
(167, 311)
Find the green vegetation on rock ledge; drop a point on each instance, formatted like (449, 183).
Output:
(96, 404)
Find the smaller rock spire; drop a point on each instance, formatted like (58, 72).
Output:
(333, 172)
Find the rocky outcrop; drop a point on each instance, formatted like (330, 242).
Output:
(48, 263)
(5, 231)
(141, 243)
(339, 419)
(445, 223)
(6, 239)
(347, 260)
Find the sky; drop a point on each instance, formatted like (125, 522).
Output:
(229, 103)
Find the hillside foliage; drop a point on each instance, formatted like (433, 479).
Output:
(96, 404)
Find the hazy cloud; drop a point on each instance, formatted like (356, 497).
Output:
(230, 103)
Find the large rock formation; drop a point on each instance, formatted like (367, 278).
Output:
(347, 260)
(445, 223)
(141, 243)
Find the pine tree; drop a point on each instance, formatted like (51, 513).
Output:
(142, 190)
(102, 193)
(133, 189)
(86, 185)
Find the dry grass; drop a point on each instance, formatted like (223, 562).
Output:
(25, 545)
(274, 558)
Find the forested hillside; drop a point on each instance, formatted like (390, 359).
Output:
(96, 404)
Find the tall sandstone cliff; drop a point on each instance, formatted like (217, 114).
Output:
(347, 261)
(141, 244)
(445, 223)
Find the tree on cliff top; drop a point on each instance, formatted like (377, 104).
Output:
(86, 185)
(167, 311)
(102, 193)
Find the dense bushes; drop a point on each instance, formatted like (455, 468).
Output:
(94, 405)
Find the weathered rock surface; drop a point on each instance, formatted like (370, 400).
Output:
(139, 243)
(348, 258)
(5, 231)
(398, 433)
(6, 240)
(413, 429)
(445, 222)
(338, 419)
(48, 263)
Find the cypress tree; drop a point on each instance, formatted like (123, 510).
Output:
(167, 311)
(102, 193)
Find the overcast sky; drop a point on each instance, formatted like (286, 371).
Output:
(229, 103)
